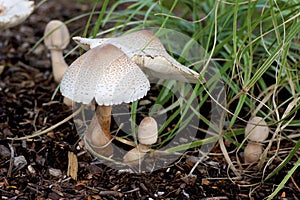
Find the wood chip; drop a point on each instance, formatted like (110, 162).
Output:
(72, 165)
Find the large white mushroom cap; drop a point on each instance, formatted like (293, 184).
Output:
(146, 50)
(14, 12)
(105, 74)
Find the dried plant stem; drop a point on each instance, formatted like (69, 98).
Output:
(40, 132)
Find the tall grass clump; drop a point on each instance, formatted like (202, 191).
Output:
(254, 46)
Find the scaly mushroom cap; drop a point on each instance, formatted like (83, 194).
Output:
(56, 35)
(146, 50)
(106, 74)
(14, 12)
(147, 131)
(257, 129)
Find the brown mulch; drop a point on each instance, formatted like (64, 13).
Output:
(27, 104)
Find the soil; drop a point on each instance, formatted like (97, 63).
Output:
(28, 103)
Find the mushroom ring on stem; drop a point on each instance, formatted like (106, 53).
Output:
(107, 75)
(147, 51)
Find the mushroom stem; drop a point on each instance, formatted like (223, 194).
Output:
(97, 139)
(103, 114)
(59, 65)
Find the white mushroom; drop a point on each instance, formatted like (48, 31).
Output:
(257, 129)
(56, 39)
(14, 12)
(146, 50)
(147, 135)
(256, 132)
(252, 152)
(147, 131)
(107, 75)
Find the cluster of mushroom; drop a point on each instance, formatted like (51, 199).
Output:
(147, 135)
(113, 71)
(256, 132)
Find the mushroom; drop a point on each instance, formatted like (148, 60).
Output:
(252, 152)
(256, 132)
(257, 129)
(147, 131)
(57, 37)
(107, 75)
(147, 135)
(147, 51)
(14, 12)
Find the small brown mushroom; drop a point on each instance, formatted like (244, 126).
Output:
(257, 129)
(252, 152)
(147, 135)
(14, 12)
(256, 132)
(57, 37)
(107, 75)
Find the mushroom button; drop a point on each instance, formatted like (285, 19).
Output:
(56, 39)
(107, 75)
(147, 135)
(252, 152)
(257, 129)
(256, 132)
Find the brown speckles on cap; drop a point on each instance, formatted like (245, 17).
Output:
(106, 74)
(146, 50)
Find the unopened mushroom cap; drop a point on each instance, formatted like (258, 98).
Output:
(252, 152)
(56, 35)
(105, 74)
(14, 12)
(257, 129)
(147, 131)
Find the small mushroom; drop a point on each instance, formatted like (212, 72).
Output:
(252, 152)
(257, 129)
(147, 135)
(147, 51)
(57, 37)
(107, 75)
(147, 131)
(256, 132)
(14, 12)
